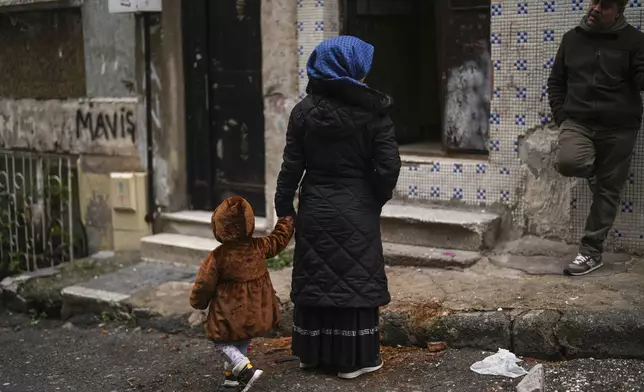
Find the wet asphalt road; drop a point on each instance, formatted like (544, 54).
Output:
(50, 356)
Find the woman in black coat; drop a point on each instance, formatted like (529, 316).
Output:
(342, 139)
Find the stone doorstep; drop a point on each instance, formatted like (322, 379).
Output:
(197, 223)
(191, 250)
(439, 227)
(413, 236)
(421, 256)
(176, 248)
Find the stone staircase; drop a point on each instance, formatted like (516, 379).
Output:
(186, 238)
(413, 235)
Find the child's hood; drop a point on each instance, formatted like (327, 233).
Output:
(233, 220)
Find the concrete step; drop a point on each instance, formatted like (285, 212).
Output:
(420, 256)
(111, 291)
(176, 248)
(191, 250)
(197, 223)
(439, 227)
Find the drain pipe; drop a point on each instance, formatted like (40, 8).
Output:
(150, 215)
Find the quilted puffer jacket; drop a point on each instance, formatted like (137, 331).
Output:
(342, 137)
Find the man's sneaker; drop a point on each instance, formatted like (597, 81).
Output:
(353, 373)
(583, 265)
(248, 376)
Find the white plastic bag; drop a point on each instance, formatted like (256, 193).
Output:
(503, 363)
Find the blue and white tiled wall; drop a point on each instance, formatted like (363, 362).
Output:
(525, 35)
(557, 17)
(317, 20)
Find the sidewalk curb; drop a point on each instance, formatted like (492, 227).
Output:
(81, 300)
(543, 334)
(540, 333)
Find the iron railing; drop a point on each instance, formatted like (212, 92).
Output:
(38, 210)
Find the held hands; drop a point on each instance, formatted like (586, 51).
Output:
(289, 219)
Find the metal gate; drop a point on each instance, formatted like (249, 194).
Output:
(39, 212)
(224, 102)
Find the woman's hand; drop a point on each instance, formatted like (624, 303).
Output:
(290, 219)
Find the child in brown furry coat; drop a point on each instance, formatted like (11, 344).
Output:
(234, 281)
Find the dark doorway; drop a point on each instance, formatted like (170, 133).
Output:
(419, 45)
(224, 102)
(466, 69)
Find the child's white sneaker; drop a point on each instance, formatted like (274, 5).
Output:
(248, 376)
(230, 381)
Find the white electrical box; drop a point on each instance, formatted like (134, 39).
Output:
(129, 206)
(128, 6)
(123, 191)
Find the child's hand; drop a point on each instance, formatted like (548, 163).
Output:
(289, 220)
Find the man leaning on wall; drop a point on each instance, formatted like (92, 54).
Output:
(594, 93)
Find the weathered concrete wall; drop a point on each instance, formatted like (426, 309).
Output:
(94, 200)
(547, 194)
(9, 3)
(41, 54)
(81, 65)
(30, 5)
(52, 52)
(99, 127)
(104, 133)
(168, 103)
(110, 51)
(279, 75)
(94, 196)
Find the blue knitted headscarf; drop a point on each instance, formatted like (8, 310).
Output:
(342, 58)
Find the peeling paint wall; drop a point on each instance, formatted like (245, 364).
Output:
(94, 194)
(547, 195)
(161, 150)
(94, 191)
(103, 133)
(110, 54)
(280, 84)
(467, 106)
(170, 140)
(100, 127)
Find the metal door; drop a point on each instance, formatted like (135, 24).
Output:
(393, 26)
(237, 103)
(224, 102)
(466, 73)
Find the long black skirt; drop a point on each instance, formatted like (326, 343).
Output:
(336, 337)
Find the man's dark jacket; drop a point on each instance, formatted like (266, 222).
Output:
(597, 78)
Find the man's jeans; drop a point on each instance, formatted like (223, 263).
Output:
(602, 156)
